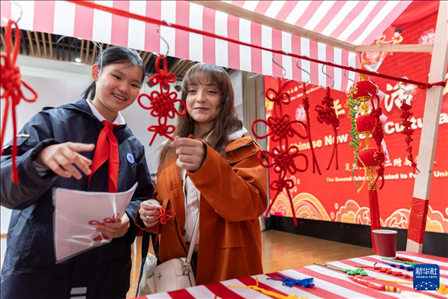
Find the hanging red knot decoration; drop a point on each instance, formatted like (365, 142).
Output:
(365, 112)
(162, 102)
(12, 94)
(389, 271)
(280, 128)
(327, 114)
(306, 106)
(378, 136)
(408, 131)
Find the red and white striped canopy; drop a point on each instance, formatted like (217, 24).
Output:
(357, 22)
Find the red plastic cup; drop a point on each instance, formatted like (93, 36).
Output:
(386, 242)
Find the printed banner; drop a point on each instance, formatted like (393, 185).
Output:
(333, 195)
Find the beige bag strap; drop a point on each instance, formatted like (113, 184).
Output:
(187, 264)
(193, 241)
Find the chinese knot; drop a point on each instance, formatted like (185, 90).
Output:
(327, 114)
(281, 128)
(365, 112)
(162, 102)
(306, 107)
(12, 94)
(408, 131)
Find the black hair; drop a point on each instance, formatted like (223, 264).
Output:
(114, 55)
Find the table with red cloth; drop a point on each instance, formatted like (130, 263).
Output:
(328, 283)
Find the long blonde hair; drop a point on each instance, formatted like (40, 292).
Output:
(226, 122)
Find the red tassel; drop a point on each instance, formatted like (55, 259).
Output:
(11, 83)
(306, 106)
(282, 157)
(374, 215)
(326, 114)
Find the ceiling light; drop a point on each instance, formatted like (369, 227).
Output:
(77, 59)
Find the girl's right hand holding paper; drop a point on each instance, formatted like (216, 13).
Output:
(148, 210)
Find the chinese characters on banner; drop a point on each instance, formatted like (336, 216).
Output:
(333, 195)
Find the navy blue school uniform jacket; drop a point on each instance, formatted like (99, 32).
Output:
(29, 269)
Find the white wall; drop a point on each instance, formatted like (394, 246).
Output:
(236, 77)
(59, 83)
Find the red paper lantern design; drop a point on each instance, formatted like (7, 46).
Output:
(282, 158)
(367, 158)
(364, 109)
(11, 84)
(363, 90)
(365, 124)
(162, 102)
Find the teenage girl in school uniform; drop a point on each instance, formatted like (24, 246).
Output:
(64, 147)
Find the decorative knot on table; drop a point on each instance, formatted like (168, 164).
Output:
(390, 271)
(357, 271)
(290, 282)
(256, 287)
(403, 261)
(442, 289)
(407, 268)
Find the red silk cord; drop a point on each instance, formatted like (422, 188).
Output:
(11, 83)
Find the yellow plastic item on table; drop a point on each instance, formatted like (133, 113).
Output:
(269, 293)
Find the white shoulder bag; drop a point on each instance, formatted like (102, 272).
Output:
(175, 274)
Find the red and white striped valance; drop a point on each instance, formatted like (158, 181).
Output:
(357, 22)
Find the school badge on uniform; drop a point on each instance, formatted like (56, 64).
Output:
(130, 158)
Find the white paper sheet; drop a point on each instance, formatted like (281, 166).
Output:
(77, 214)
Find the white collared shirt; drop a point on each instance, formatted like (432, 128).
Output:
(119, 120)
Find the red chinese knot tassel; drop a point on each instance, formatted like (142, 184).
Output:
(281, 128)
(162, 102)
(327, 114)
(12, 94)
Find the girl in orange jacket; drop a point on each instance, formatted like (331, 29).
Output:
(215, 177)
